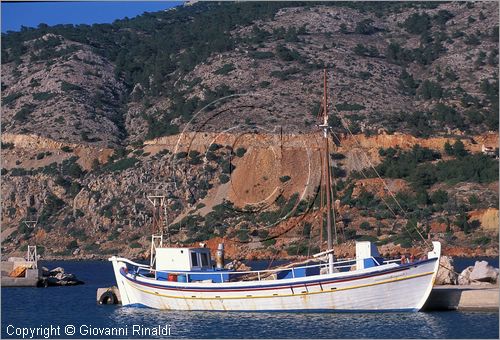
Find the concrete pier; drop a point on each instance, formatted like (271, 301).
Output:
(471, 297)
(31, 276)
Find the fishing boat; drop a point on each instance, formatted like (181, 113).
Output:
(188, 279)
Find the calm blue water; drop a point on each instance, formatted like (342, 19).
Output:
(62, 306)
(460, 263)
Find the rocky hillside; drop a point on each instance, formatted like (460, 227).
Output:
(220, 116)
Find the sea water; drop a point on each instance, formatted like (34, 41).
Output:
(72, 312)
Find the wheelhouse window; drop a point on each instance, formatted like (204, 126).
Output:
(194, 260)
(204, 259)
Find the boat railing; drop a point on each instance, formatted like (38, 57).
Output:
(257, 274)
(393, 261)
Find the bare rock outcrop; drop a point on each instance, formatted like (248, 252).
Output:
(446, 273)
(483, 272)
(464, 277)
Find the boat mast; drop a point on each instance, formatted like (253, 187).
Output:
(158, 200)
(326, 170)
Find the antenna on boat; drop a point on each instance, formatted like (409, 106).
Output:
(327, 176)
(160, 224)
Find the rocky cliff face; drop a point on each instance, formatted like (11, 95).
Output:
(91, 126)
(72, 96)
(104, 207)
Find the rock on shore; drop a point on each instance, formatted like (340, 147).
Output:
(57, 277)
(446, 274)
(481, 272)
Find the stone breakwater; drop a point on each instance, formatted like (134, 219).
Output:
(58, 277)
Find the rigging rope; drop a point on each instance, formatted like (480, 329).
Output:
(385, 184)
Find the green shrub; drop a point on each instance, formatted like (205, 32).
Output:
(285, 178)
(71, 167)
(23, 114)
(285, 74)
(214, 147)
(7, 146)
(262, 54)
(240, 152)
(264, 84)
(300, 248)
(442, 17)
(242, 235)
(364, 75)
(77, 233)
(269, 243)
(160, 127)
(366, 199)
(19, 172)
(194, 157)
(463, 223)
(181, 155)
(472, 39)
(366, 225)
(430, 90)
(11, 98)
(227, 68)
(43, 96)
(366, 51)
(135, 245)
(121, 165)
(365, 27)
(67, 87)
(91, 247)
(417, 23)
(350, 234)
(407, 83)
(223, 178)
(367, 238)
(72, 245)
(211, 156)
(439, 197)
(227, 167)
(473, 200)
(286, 54)
(482, 241)
(66, 148)
(349, 107)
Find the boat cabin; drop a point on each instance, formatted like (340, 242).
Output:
(195, 265)
(187, 265)
(367, 255)
(183, 259)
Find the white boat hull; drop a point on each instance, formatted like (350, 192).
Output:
(389, 287)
